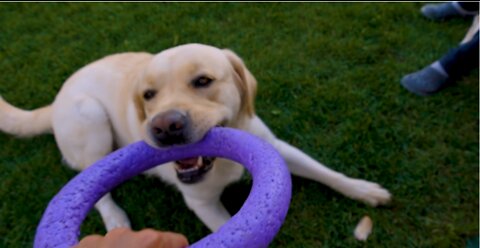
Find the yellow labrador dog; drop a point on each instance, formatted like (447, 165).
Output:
(171, 98)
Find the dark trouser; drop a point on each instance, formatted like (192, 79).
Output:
(462, 59)
(469, 6)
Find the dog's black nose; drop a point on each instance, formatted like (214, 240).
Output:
(170, 128)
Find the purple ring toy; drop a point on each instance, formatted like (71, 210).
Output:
(254, 225)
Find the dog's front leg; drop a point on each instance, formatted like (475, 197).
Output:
(113, 216)
(211, 212)
(302, 165)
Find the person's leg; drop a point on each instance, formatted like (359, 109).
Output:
(467, 8)
(471, 31)
(456, 63)
(447, 10)
(460, 60)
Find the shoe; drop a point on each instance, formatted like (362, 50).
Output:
(425, 82)
(440, 11)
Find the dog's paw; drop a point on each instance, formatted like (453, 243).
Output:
(115, 219)
(367, 192)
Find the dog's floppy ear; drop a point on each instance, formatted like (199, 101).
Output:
(246, 83)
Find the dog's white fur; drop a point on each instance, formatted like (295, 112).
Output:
(100, 107)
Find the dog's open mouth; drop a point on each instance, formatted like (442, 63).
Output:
(192, 170)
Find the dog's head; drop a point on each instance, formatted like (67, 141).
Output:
(187, 90)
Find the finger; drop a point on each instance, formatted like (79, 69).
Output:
(119, 237)
(90, 241)
(119, 231)
(150, 238)
(172, 239)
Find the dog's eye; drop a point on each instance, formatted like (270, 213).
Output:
(201, 82)
(149, 94)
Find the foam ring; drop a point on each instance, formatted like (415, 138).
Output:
(254, 225)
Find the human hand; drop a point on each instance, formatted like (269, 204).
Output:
(126, 238)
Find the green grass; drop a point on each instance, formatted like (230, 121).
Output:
(328, 83)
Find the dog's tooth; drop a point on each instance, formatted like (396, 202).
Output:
(199, 163)
(188, 170)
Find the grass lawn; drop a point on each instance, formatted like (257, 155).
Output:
(328, 78)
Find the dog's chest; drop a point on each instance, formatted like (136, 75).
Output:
(227, 171)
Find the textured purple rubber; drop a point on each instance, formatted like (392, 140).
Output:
(254, 225)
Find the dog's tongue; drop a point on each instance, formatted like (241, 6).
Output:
(188, 162)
